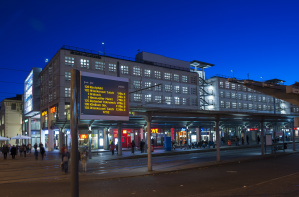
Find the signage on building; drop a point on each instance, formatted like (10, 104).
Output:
(44, 113)
(104, 97)
(83, 136)
(53, 110)
(154, 131)
(28, 102)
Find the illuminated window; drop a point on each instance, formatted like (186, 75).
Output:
(137, 97)
(227, 85)
(245, 106)
(54, 95)
(112, 67)
(264, 99)
(259, 98)
(168, 88)
(69, 61)
(227, 105)
(50, 98)
(124, 70)
(185, 90)
(176, 100)
(148, 98)
(245, 97)
(67, 76)
(99, 65)
(84, 63)
(240, 106)
(227, 94)
(234, 105)
(233, 86)
(167, 76)
(249, 97)
(147, 73)
(184, 78)
(67, 92)
(250, 106)
(239, 96)
(157, 74)
(158, 88)
(239, 87)
(233, 95)
(137, 84)
(176, 77)
(244, 88)
(254, 97)
(168, 100)
(184, 101)
(158, 99)
(221, 84)
(147, 84)
(137, 71)
(177, 89)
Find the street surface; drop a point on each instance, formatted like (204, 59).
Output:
(242, 172)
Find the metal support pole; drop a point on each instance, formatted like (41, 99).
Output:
(187, 138)
(293, 136)
(75, 102)
(217, 139)
(119, 140)
(149, 152)
(262, 137)
(89, 138)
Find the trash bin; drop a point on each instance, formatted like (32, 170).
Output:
(229, 143)
(285, 145)
(152, 147)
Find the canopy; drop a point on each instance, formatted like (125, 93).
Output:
(21, 137)
(3, 138)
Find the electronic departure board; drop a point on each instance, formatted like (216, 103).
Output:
(104, 97)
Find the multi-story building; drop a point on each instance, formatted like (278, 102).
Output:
(11, 118)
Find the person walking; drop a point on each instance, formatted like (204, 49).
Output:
(42, 151)
(112, 147)
(5, 151)
(116, 147)
(247, 139)
(133, 146)
(142, 145)
(84, 160)
(35, 147)
(36, 154)
(24, 150)
(65, 160)
(13, 152)
(258, 139)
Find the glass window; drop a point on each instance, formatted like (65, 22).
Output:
(239, 96)
(234, 105)
(250, 106)
(168, 100)
(177, 89)
(158, 88)
(184, 101)
(157, 74)
(69, 61)
(148, 98)
(176, 77)
(147, 84)
(221, 104)
(137, 84)
(137, 97)
(233, 86)
(240, 105)
(249, 97)
(176, 100)
(67, 92)
(167, 76)
(67, 76)
(245, 97)
(158, 99)
(245, 105)
(168, 88)
(227, 85)
(227, 94)
(137, 71)
(221, 94)
(112, 67)
(233, 95)
(147, 73)
(185, 90)
(227, 104)
(184, 78)
(221, 84)
(124, 70)
(99, 65)
(84, 63)
(244, 88)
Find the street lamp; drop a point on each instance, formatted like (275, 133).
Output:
(103, 47)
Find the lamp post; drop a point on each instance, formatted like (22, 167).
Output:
(103, 47)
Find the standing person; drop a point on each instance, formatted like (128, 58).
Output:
(84, 160)
(65, 160)
(24, 150)
(35, 147)
(13, 152)
(141, 145)
(21, 150)
(242, 140)
(112, 147)
(5, 151)
(258, 139)
(36, 154)
(42, 151)
(247, 139)
(133, 146)
(116, 147)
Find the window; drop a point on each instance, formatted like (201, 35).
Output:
(157, 74)
(227, 85)
(13, 106)
(84, 63)
(194, 102)
(124, 70)
(137, 71)
(193, 91)
(254, 97)
(234, 105)
(227, 105)
(167, 76)
(168, 100)
(265, 107)
(239, 96)
(259, 98)
(112, 67)
(158, 99)
(184, 101)
(147, 84)
(176, 77)
(240, 106)
(176, 100)
(148, 98)
(184, 78)
(264, 99)
(67, 92)
(137, 84)
(244, 88)
(69, 61)
(239, 87)
(233, 95)
(54, 95)
(250, 106)
(259, 107)
(227, 94)
(99, 65)
(245, 105)
(50, 98)
(245, 97)
(185, 90)
(193, 80)
(233, 86)
(221, 104)
(147, 73)
(168, 88)
(221, 84)
(222, 94)
(137, 97)
(177, 89)
(67, 76)
(249, 97)
(158, 88)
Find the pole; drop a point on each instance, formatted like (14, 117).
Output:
(75, 99)
(89, 140)
(119, 152)
(262, 137)
(149, 151)
(217, 139)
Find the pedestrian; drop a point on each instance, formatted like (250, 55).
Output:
(65, 160)
(247, 139)
(35, 147)
(181, 143)
(36, 154)
(5, 151)
(133, 146)
(258, 139)
(116, 147)
(21, 150)
(13, 152)
(142, 146)
(84, 160)
(112, 147)
(42, 151)
(24, 150)
(242, 140)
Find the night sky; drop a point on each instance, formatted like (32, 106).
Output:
(255, 38)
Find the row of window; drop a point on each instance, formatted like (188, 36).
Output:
(246, 97)
(148, 98)
(249, 106)
(234, 86)
(136, 70)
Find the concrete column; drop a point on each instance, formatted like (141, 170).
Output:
(105, 136)
(119, 140)
(262, 137)
(149, 152)
(29, 131)
(50, 139)
(197, 135)
(217, 139)
(293, 136)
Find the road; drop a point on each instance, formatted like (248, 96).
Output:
(241, 173)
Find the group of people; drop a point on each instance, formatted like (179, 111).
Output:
(23, 150)
(65, 157)
(133, 146)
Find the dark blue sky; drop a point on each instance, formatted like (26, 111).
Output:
(255, 37)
